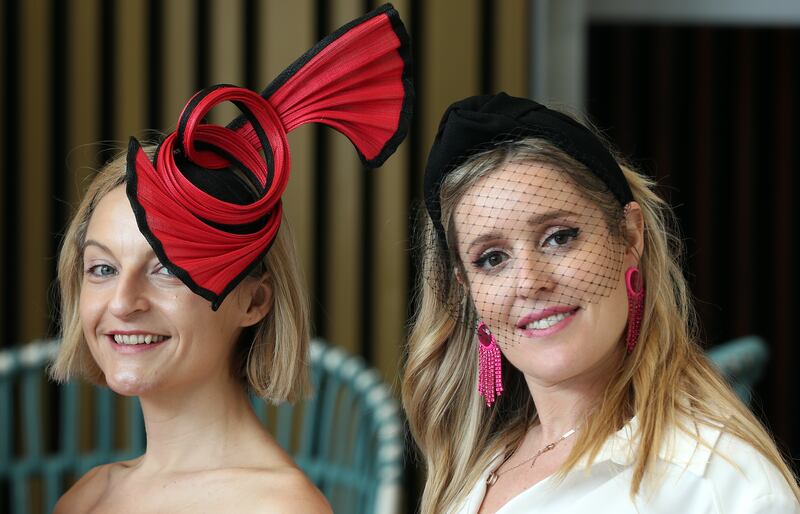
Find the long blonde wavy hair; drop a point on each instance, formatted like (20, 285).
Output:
(666, 380)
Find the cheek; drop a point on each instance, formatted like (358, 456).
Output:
(492, 295)
(192, 317)
(593, 275)
(90, 308)
(612, 315)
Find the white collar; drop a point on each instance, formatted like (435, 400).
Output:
(678, 447)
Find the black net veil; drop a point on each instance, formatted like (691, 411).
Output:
(532, 235)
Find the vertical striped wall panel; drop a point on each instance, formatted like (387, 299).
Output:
(81, 128)
(745, 161)
(706, 153)
(511, 48)
(176, 76)
(450, 67)
(79, 78)
(4, 172)
(343, 220)
(34, 246)
(225, 56)
(389, 194)
(10, 174)
(784, 191)
(129, 69)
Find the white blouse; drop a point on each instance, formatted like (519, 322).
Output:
(690, 479)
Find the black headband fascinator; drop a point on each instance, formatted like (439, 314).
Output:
(479, 123)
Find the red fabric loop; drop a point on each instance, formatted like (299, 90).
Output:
(357, 81)
(257, 106)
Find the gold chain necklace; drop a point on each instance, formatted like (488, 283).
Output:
(494, 475)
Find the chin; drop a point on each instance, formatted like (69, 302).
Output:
(552, 367)
(127, 383)
(552, 375)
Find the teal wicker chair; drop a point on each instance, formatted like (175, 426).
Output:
(742, 361)
(348, 437)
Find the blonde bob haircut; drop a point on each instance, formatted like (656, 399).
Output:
(667, 382)
(271, 357)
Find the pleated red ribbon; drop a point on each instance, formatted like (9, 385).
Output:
(357, 80)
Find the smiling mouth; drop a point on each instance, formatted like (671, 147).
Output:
(549, 321)
(134, 339)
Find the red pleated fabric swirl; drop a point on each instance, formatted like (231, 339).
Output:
(357, 80)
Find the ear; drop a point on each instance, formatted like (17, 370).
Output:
(634, 232)
(459, 275)
(257, 301)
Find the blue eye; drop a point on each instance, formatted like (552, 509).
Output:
(101, 270)
(490, 260)
(163, 270)
(561, 237)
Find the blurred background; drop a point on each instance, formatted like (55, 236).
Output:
(700, 94)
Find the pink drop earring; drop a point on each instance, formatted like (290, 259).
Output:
(490, 377)
(635, 286)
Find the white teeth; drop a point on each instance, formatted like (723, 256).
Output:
(138, 339)
(541, 324)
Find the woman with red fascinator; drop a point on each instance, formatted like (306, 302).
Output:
(180, 284)
(553, 364)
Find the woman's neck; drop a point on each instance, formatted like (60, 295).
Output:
(560, 411)
(565, 405)
(208, 425)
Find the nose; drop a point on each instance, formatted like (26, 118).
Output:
(130, 296)
(534, 274)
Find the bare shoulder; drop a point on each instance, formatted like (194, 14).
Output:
(278, 490)
(86, 491)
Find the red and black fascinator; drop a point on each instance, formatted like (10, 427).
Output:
(209, 203)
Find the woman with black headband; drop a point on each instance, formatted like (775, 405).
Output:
(553, 365)
(180, 283)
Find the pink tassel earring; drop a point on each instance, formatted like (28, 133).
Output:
(635, 287)
(490, 377)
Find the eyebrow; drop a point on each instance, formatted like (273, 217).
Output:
(536, 219)
(482, 239)
(92, 242)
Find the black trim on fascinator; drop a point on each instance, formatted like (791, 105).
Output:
(478, 123)
(209, 202)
